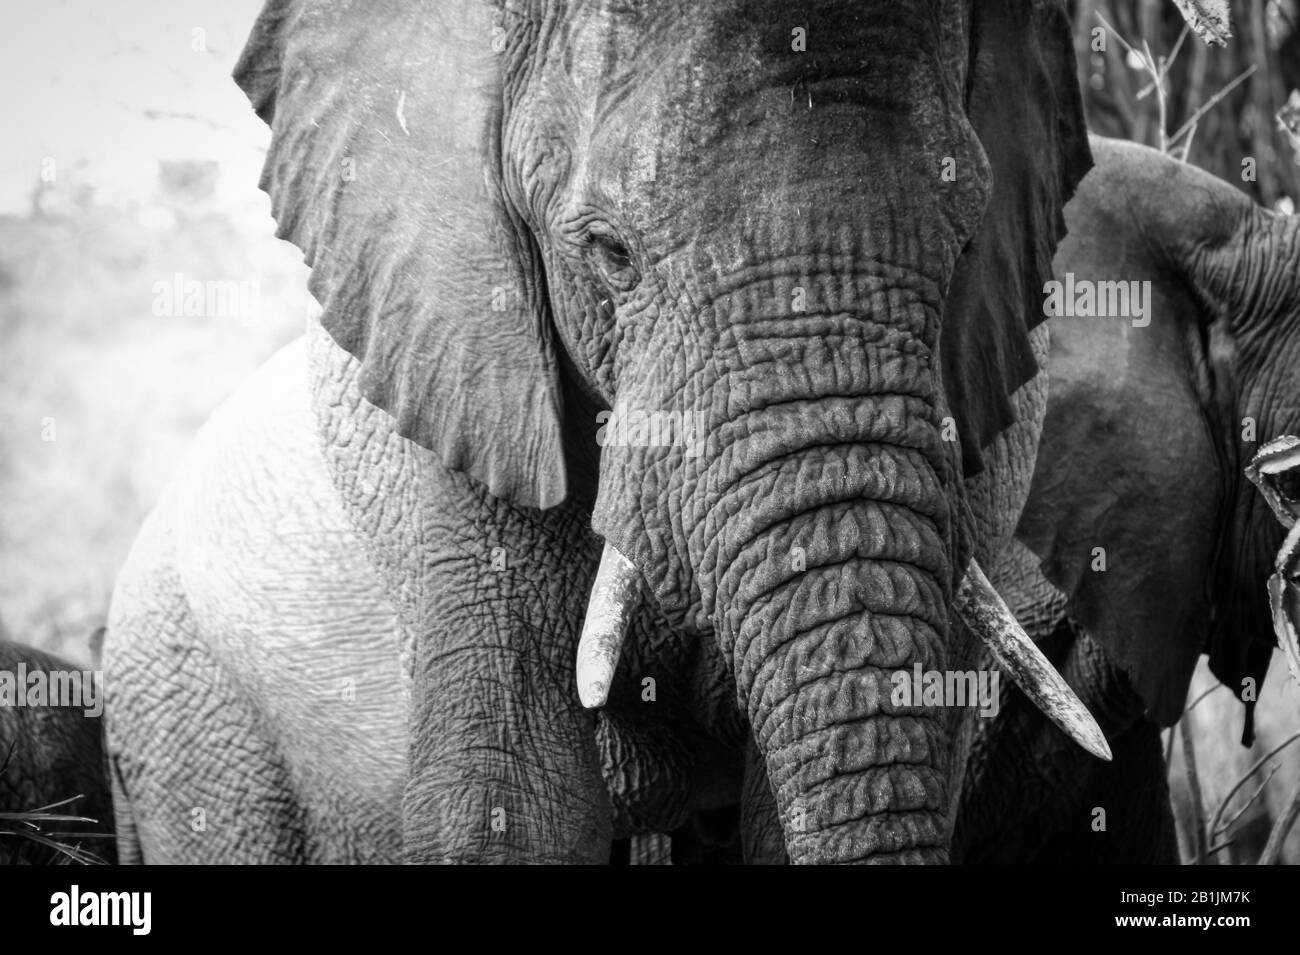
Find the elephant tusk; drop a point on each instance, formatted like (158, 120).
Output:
(613, 599)
(984, 611)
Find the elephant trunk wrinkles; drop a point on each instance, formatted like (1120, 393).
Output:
(1252, 274)
(820, 596)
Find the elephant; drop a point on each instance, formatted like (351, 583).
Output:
(677, 373)
(51, 756)
(1143, 544)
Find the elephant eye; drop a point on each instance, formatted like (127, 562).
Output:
(614, 262)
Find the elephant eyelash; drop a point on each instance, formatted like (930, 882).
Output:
(613, 260)
(614, 250)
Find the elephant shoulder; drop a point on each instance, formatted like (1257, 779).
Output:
(248, 595)
(251, 531)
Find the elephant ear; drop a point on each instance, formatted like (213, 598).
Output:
(383, 168)
(1024, 103)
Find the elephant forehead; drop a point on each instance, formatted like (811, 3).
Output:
(610, 42)
(702, 69)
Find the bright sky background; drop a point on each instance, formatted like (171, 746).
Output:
(109, 87)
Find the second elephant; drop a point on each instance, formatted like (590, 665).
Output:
(1143, 544)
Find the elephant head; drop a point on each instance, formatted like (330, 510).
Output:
(1141, 490)
(814, 243)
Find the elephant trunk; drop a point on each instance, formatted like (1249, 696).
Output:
(811, 520)
(826, 596)
(824, 549)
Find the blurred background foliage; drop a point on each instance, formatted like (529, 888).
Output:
(129, 157)
(1121, 101)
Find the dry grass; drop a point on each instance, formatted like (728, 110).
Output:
(1235, 805)
(32, 826)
